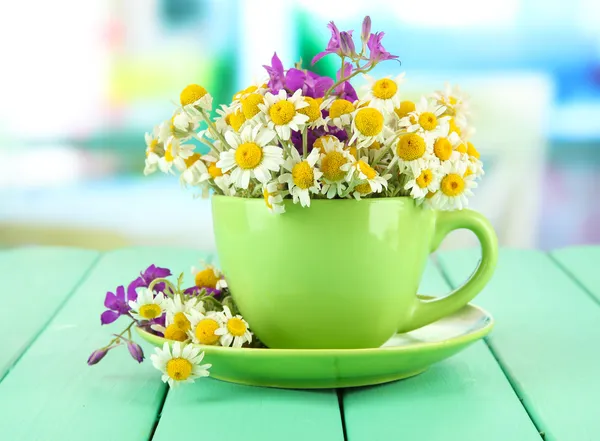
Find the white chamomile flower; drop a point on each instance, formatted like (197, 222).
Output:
(224, 183)
(209, 277)
(384, 93)
(331, 164)
(454, 187)
(154, 150)
(251, 156)
(177, 309)
(258, 87)
(445, 148)
(303, 178)
(340, 113)
(148, 305)
(314, 111)
(412, 149)
(456, 101)
(362, 171)
(175, 155)
(203, 327)
(281, 113)
(222, 122)
(234, 331)
(195, 98)
(475, 165)
(182, 365)
(427, 119)
(273, 197)
(424, 180)
(368, 127)
(195, 172)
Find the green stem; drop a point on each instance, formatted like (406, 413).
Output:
(213, 128)
(165, 281)
(344, 79)
(304, 143)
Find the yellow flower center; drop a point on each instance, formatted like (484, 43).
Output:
(152, 147)
(442, 149)
(340, 107)
(249, 89)
(424, 178)
(410, 147)
(452, 185)
(366, 169)
(303, 175)
(169, 153)
(236, 327)
(214, 171)
(472, 151)
(454, 127)
(206, 278)
(330, 166)
(375, 145)
(191, 160)
(468, 172)
(462, 148)
(384, 88)
(405, 108)
(205, 331)
(428, 121)
(150, 311)
(236, 119)
(312, 110)
(174, 332)
(364, 188)
(266, 195)
(181, 321)
(282, 112)
(179, 369)
(369, 121)
(319, 142)
(248, 155)
(250, 105)
(191, 94)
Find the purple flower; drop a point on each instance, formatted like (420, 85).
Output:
(117, 305)
(194, 291)
(345, 89)
(136, 351)
(347, 44)
(333, 46)
(96, 356)
(276, 74)
(146, 278)
(316, 85)
(314, 134)
(377, 51)
(366, 30)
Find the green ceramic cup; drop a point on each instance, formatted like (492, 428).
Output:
(342, 274)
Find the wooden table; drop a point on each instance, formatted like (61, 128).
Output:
(537, 375)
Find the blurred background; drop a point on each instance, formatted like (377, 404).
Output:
(82, 82)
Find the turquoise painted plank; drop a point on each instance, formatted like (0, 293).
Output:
(583, 264)
(252, 412)
(546, 338)
(466, 397)
(51, 394)
(35, 283)
(228, 411)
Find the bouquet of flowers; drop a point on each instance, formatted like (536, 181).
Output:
(303, 136)
(203, 314)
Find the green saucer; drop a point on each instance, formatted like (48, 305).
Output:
(403, 356)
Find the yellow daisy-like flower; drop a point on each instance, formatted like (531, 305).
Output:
(368, 127)
(331, 164)
(384, 93)
(412, 149)
(273, 197)
(282, 113)
(208, 277)
(361, 170)
(203, 327)
(154, 151)
(177, 309)
(252, 156)
(427, 119)
(195, 97)
(456, 102)
(424, 179)
(175, 155)
(148, 305)
(340, 113)
(181, 365)
(303, 176)
(455, 187)
(235, 331)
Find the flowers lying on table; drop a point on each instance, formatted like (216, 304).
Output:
(301, 136)
(203, 314)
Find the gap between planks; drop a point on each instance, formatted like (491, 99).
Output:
(571, 276)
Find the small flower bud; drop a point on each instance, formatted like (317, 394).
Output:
(136, 351)
(366, 29)
(96, 356)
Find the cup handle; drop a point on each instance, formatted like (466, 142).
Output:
(428, 311)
